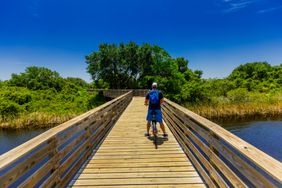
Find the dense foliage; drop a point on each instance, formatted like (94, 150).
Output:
(137, 66)
(40, 90)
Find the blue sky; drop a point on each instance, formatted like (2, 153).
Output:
(214, 35)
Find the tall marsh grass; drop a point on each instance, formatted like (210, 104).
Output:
(248, 106)
(36, 120)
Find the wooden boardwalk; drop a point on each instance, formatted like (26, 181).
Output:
(128, 159)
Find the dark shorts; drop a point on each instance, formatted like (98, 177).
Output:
(159, 117)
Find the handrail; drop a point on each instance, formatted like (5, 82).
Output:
(112, 93)
(53, 157)
(221, 158)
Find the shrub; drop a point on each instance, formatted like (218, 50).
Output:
(238, 95)
(9, 109)
(16, 94)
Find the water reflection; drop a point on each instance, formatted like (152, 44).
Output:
(10, 139)
(265, 135)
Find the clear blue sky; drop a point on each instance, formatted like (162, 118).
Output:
(214, 35)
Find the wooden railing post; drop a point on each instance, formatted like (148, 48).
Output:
(56, 157)
(58, 153)
(221, 158)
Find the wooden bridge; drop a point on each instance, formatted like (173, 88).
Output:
(106, 147)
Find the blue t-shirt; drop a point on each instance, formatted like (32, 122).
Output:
(156, 106)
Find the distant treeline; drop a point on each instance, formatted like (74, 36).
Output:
(252, 89)
(137, 66)
(41, 97)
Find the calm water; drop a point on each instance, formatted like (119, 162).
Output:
(265, 135)
(11, 138)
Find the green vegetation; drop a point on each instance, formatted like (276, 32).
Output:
(251, 90)
(40, 97)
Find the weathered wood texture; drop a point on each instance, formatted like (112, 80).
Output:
(222, 159)
(54, 157)
(127, 158)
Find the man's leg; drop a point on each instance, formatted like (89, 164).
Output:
(160, 120)
(148, 127)
(162, 127)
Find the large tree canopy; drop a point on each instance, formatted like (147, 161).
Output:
(137, 66)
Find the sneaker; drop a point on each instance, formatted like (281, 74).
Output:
(147, 134)
(165, 135)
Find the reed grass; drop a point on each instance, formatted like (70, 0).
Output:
(36, 120)
(239, 112)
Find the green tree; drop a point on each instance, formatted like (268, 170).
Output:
(77, 81)
(37, 78)
(182, 64)
(124, 65)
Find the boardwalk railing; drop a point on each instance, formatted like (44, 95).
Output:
(221, 158)
(113, 93)
(53, 158)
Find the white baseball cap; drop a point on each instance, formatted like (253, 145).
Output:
(154, 84)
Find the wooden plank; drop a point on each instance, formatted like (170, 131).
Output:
(212, 172)
(134, 160)
(182, 185)
(145, 164)
(242, 166)
(139, 156)
(138, 181)
(12, 175)
(93, 140)
(271, 166)
(74, 169)
(139, 175)
(214, 159)
(32, 180)
(50, 181)
(61, 133)
(140, 150)
(145, 146)
(193, 159)
(139, 169)
(71, 145)
(226, 171)
(66, 164)
(22, 150)
(248, 171)
(127, 156)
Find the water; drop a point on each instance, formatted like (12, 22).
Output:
(10, 139)
(265, 135)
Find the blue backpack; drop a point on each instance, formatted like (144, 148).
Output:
(154, 96)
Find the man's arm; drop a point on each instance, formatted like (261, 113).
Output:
(146, 99)
(161, 98)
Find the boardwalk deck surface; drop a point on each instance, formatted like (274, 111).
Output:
(128, 159)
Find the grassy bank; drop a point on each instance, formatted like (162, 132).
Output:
(36, 120)
(250, 106)
(41, 98)
(239, 112)
(46, 109)
(24, 108)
